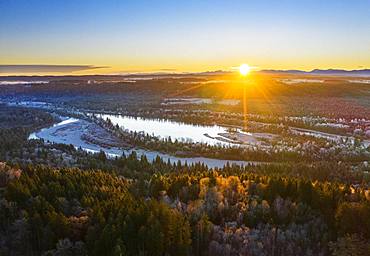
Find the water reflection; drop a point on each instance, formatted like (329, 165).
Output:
(166, 128)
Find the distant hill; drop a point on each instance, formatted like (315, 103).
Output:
(322, 72)
(330, 72)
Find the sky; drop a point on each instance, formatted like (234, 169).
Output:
(182, 36)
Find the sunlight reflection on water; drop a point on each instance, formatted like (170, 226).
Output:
(166, 128)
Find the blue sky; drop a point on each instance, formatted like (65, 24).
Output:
(186, 35)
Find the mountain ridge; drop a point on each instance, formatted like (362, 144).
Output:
(337, 72)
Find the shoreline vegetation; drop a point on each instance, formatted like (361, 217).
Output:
(231, 152)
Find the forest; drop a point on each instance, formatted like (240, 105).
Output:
(183, 210)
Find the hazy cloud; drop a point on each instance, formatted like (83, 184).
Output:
(45, 68)
(168, 69)
(149, 71)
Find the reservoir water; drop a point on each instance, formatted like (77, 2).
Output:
(166, 128)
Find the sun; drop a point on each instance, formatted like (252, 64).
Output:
(244, 69)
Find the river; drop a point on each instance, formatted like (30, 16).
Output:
(70, 130)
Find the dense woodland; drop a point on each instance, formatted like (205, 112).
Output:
(188, 210)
